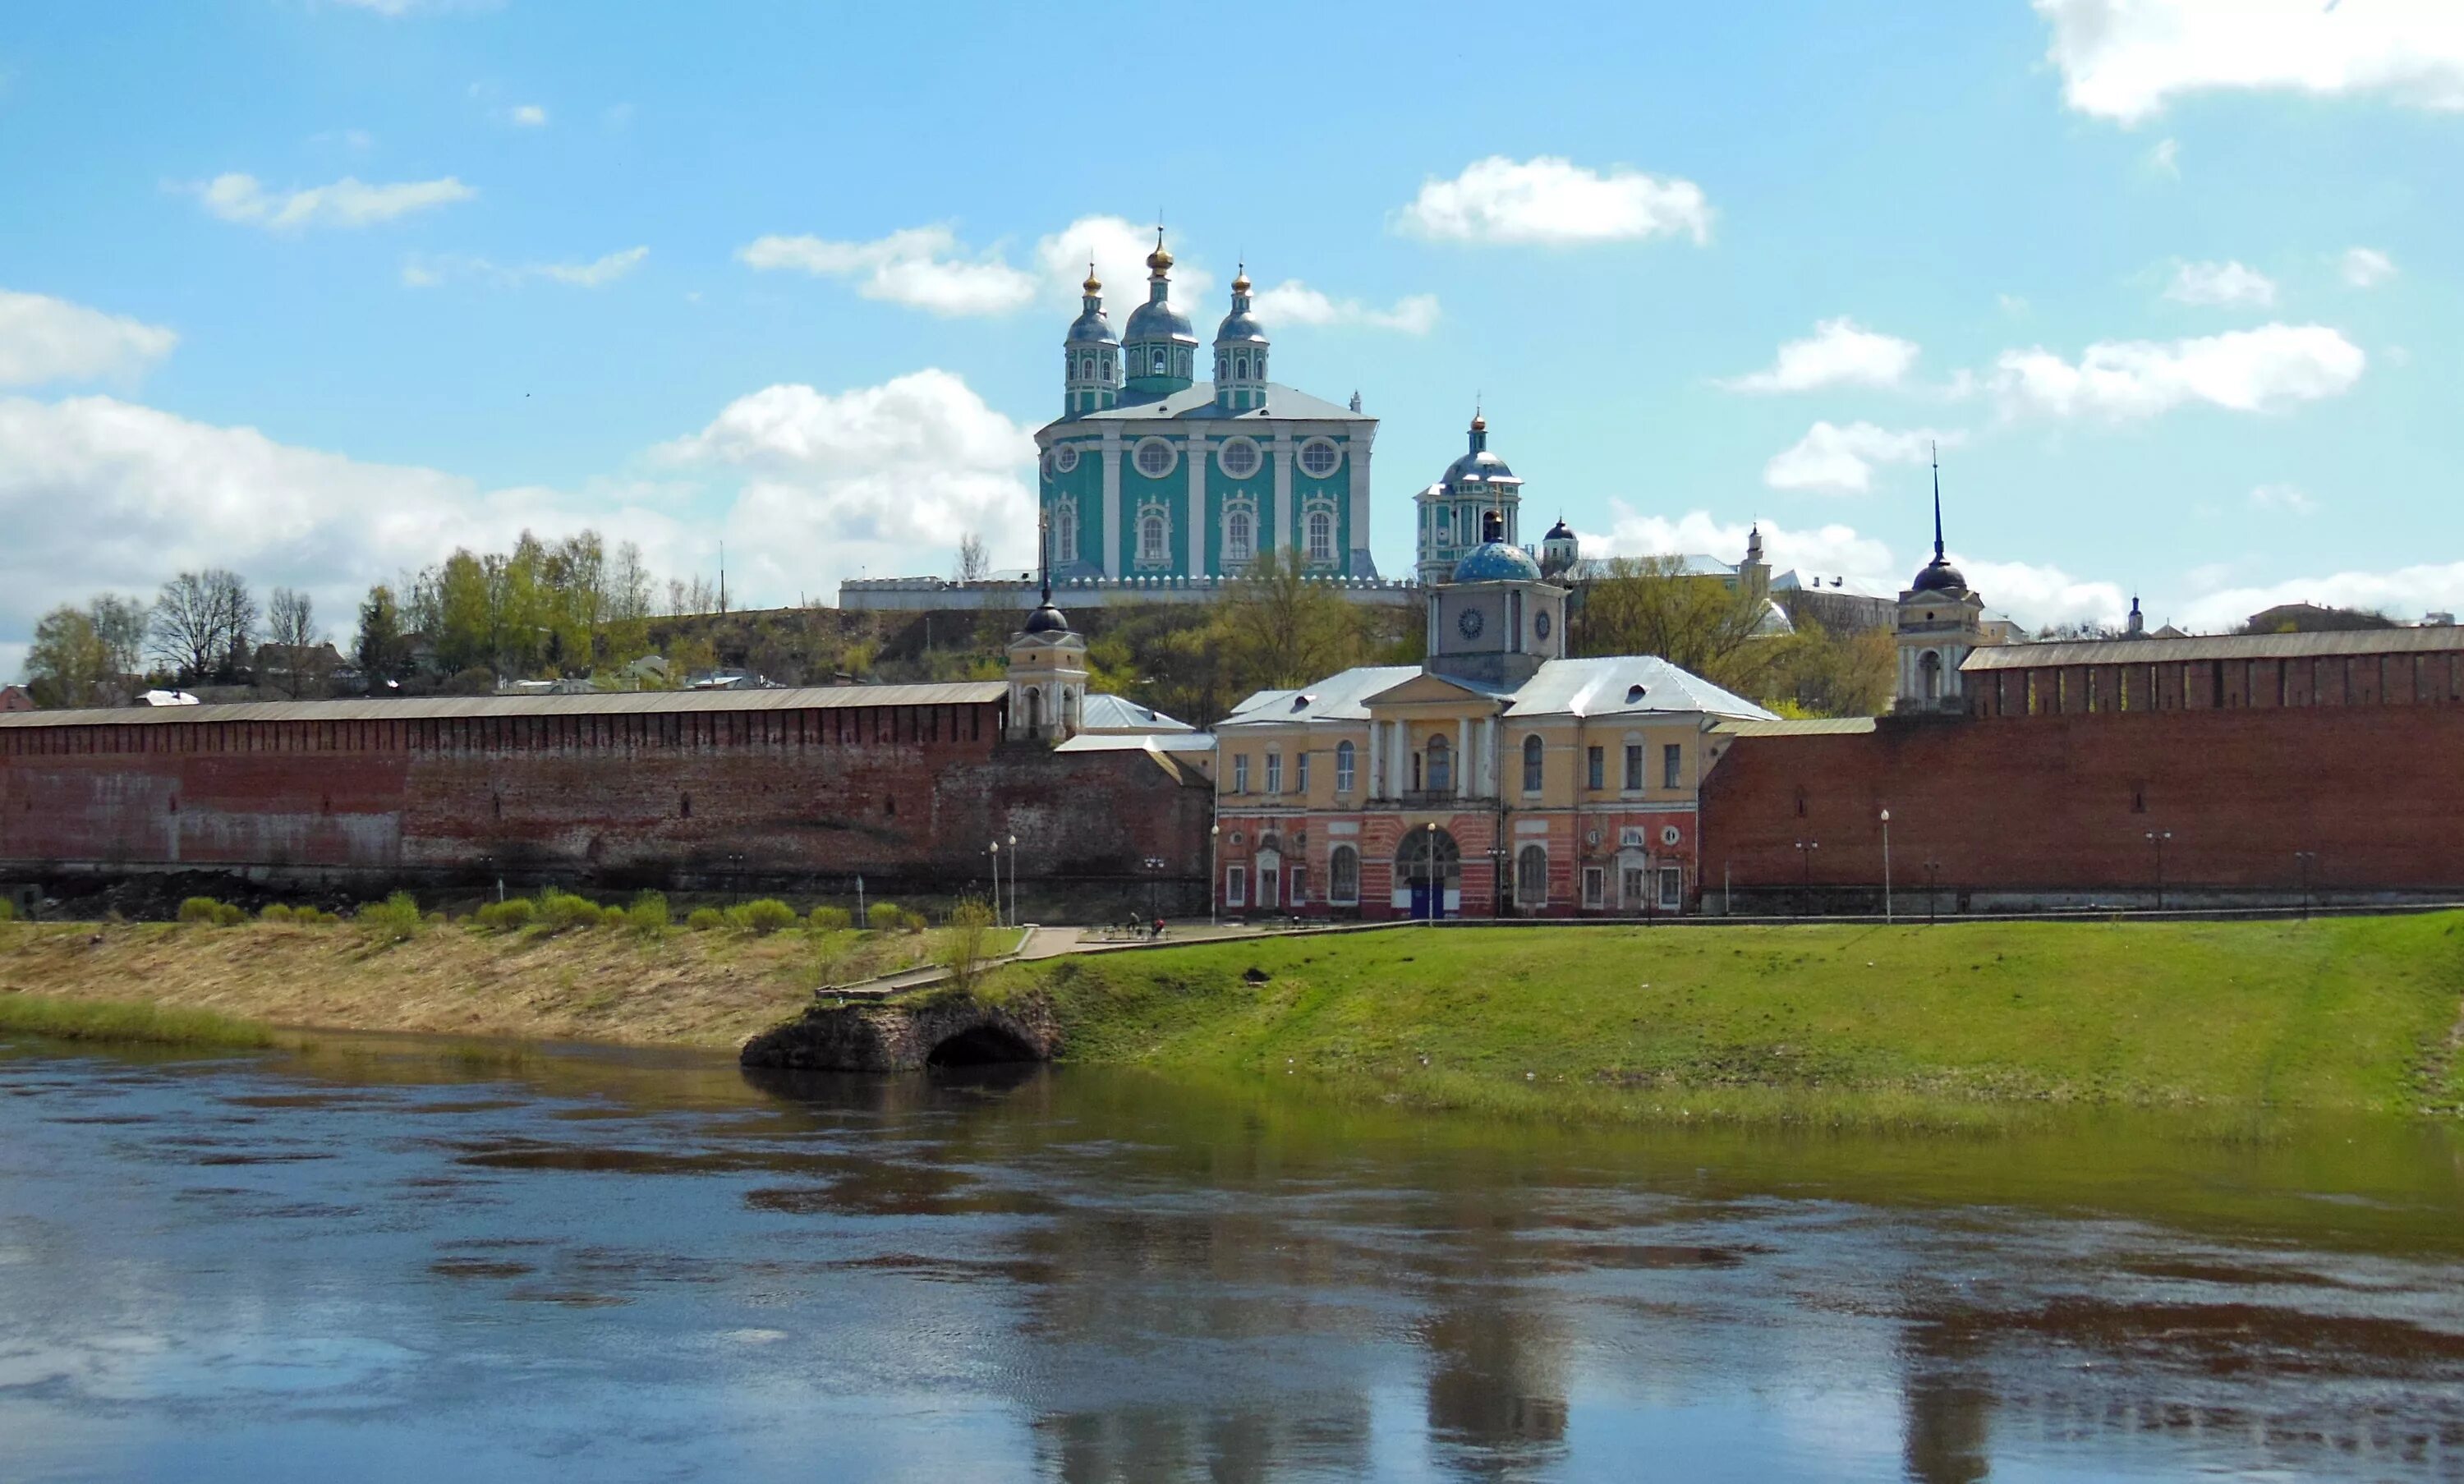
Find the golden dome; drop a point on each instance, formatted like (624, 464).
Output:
(1479, 424)
(1160, 260)
(1093, 284)
(1240, 279)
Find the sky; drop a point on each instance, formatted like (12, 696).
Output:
(320, 289)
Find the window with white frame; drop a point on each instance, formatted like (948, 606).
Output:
(1531, 756)
(1274, 772)
(1347, 760)
(1065, 531)
(1300, 783)
(1633, 767)
(1240, 773)
(1672, 887)
(1441, 775)
(1343, 877)
(1239, 538)
(1154, 537)
(1064, 458)
(1531, 876)
(1318, 457)
(1236, 886)
(1672, 765)
(1162, 361)
(1155, 457)
(1238, 457)
(1320, 527)
(1594, 887)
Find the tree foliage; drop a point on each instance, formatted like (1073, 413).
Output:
(1703, 625)
(201, 624)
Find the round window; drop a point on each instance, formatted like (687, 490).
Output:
(1238, 458)
(1540, 623)
(1668, 835)
(1155, 457)
(1064, 458)
(1319, 458)
(1469, 622)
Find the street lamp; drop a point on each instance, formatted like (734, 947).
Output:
(1013, 881)
(1805, 849)
(997, 897)
(2157, 838)
(1887, 866)
(1429, 866)
(2303, 861)
(1933, 872)
(1213, 843)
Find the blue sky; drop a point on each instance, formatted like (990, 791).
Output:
(319, 289)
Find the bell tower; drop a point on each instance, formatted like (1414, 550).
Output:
(1048, 672)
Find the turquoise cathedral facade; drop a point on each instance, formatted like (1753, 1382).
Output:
(1151, 473)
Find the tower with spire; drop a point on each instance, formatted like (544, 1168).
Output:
(1048, 667)
(1939, 623)
(1150, 477)
(1454, 511)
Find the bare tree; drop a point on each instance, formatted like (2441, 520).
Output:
(120, 625)
(202, 622)
(291, 631)
(974, 563)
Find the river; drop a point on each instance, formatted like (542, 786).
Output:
(381, 1260)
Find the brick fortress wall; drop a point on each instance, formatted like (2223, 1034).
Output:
(2057, 805)
(909, 796)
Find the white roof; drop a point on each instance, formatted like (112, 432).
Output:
(1100, 712)
(1139, 742)
(1563, 688)
(1794, 582)
(1338, 697)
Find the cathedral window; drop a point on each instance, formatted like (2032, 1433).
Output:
(1064, 458)
(1319, 458)
(1321, 537)
(1236, 543)
(1065, 531)
(1162, 362)
(1156, 458)
(1238, 458)
(1154, 538)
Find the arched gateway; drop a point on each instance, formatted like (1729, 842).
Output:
(1428, 874)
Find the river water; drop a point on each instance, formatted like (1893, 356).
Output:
(398, 1260)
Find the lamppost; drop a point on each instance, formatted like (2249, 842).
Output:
(1933, 872)
(997, 896)
(1013, 881)
(2303, 861)
(2157, 838)
(1805, 849)
(1214, 843)
(735, 876)
(1429, 868)
(1155, 875)
(1887, 866)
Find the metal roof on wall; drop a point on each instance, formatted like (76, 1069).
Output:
(2215, 646)
(616, 704)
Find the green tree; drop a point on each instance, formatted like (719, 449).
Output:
(1279, 627)
(67, 659)
(382, 650)
(1650, 606)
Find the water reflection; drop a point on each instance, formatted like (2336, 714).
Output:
(617, 1264)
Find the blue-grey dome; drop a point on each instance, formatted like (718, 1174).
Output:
(1939, 577)
(1495, 561)
(1092, 328)
(1480, 464)
(1239, 326)
(1157, 319)
(1560, 531)
(1048, 619)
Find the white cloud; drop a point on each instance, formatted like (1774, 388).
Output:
(879, 474)
(2282, 497)
(529, 116)
(2165, 159)
(1831, 551)
(2038, 596)
(102, 494)
(429, 273)
(2221, 283)
(913, 267)
(47, 340)
(1118, 248)
(2366, 268)
(1839, 352)
(348, 202)
(2405, 593)
(1294, 302)
(2125, 59)
(1840, 460)
(2244, 370)
(1553, 200)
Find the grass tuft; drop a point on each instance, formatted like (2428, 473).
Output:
(126, 1020)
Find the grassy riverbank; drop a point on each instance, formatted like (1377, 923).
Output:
(127, 1021)
(1856, 1023)
(674, 987)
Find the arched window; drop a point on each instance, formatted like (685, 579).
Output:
(1441, 776)
(1346, 767)
(1237, 537)
(1343, 876)
(1241, 367)
(1162, 361)
(1035, 713)
(1154, 538)
(1065, 531)
(1531, 764)
(1929, 667)
(1320, 535)
(1531, 876)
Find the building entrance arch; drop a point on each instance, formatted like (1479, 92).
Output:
(1428, 874)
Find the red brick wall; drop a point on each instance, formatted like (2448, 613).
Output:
(2066, 803)
(765, 795)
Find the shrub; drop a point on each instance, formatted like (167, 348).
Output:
(829, 919)
(917, 922)
(562, 909)
(966, 945)
(648, 914)
(200, 910)
(396, 918)
(511, 915)
(885, 917)
(227, 916)
(7, 910)
(276, 912)
(314, 917)
(768, 915)
(705, 919)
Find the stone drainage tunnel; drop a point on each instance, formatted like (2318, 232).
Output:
(950, 1033)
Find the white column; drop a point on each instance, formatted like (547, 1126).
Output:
(1462, 756)
(1284, 533)
(1400, 735)
(1197, 459)
(1356, 460)
(1111, 502)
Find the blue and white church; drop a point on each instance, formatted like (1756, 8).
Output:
(1151, 473)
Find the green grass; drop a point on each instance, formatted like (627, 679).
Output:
(126, 1020)
(1834, 1024)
